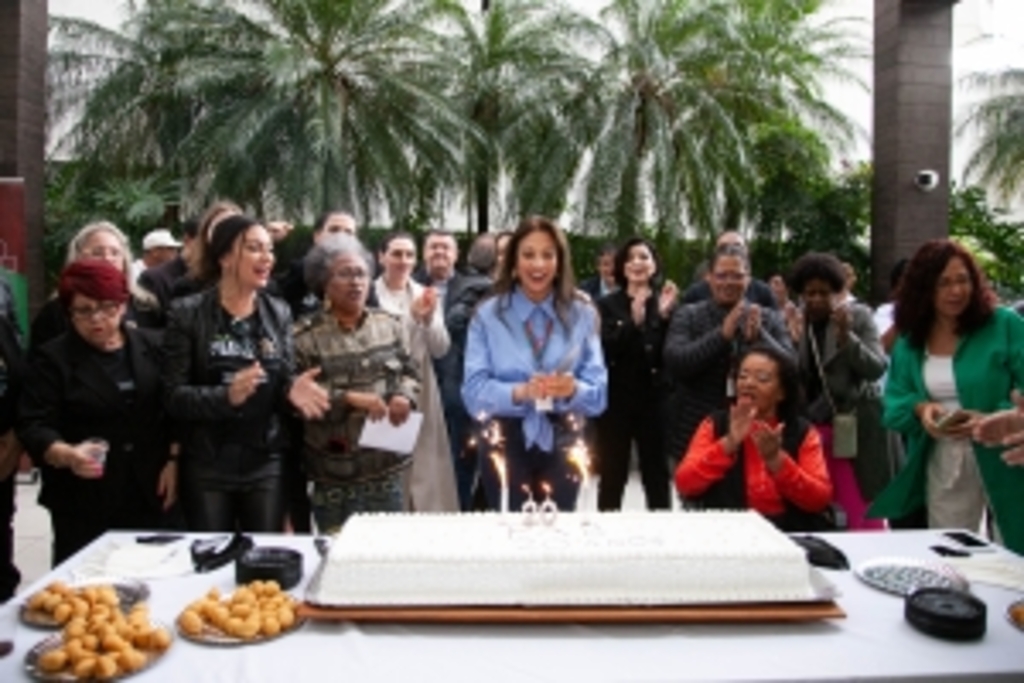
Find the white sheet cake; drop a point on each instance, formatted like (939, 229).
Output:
(601, 559)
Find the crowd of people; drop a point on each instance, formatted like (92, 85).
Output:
(197, 390)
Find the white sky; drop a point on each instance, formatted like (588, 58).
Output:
(988, 34)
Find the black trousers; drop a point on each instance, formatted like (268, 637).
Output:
(616, 432)
(253, 501)
(10, 577)
(296, 495)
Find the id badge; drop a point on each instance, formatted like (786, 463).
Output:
(544, 405)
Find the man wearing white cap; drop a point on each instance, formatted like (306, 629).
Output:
(158, 246)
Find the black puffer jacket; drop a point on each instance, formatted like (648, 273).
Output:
(201, 407)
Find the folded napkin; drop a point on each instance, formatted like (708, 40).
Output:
(137, 561)
(993, 569)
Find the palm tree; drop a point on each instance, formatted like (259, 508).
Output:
(112, 100)
(514, 71)
(998, 159)
(303, 104)
(684, 87)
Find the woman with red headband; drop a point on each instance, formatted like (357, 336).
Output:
(91, 416)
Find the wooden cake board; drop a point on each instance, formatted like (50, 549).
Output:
(660, 614)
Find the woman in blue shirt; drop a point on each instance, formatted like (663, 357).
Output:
(534, 367)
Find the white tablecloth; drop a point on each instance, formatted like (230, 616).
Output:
(872, 643)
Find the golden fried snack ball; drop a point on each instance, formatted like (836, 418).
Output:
(54, 660)
(131, 660)
(190, 622)
(106, 667)
(84, 667)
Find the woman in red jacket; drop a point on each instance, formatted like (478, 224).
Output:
(760, 454)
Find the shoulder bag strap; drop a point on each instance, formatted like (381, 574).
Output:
(821, 370)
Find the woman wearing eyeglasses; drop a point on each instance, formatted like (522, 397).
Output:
(104, 242)
(369, 375)
(957, 358)
(228, 379)
(98, 381)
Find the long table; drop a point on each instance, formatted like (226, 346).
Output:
(874, 642)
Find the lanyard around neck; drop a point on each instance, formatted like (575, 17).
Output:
(538, 345)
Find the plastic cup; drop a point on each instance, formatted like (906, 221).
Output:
(97, 450)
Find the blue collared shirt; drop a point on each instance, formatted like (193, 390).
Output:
(499, 356)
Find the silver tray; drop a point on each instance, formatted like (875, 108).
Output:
(901, 576)
(55, 640)
(823, 589)
(130, 592)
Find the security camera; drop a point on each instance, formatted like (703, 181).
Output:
(926, 181)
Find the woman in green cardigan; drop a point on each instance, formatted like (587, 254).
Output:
(957, 352)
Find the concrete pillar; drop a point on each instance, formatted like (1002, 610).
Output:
(23, 25)
(913, 100)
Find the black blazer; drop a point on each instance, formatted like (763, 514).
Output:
(69, 397)
(632, 354)
(198, 406)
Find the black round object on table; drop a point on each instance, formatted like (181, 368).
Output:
(946, 613)
(283, 565)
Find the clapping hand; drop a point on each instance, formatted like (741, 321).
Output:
(752, 328)
(769, 444)
(667, 299)
(732, 321)
(422, 308)
(308, 397)
(741, 421)
(795, 323)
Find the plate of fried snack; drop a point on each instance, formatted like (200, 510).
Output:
(58, 603)
(103, 646)
(254, 613)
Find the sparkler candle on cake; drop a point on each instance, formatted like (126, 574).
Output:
(579, 457)
(500, 467)
(530, 509)
(548, 509)
(493, 436)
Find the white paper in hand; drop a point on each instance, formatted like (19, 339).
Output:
(383, 435)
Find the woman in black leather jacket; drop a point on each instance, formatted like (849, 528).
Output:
(228, 378)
